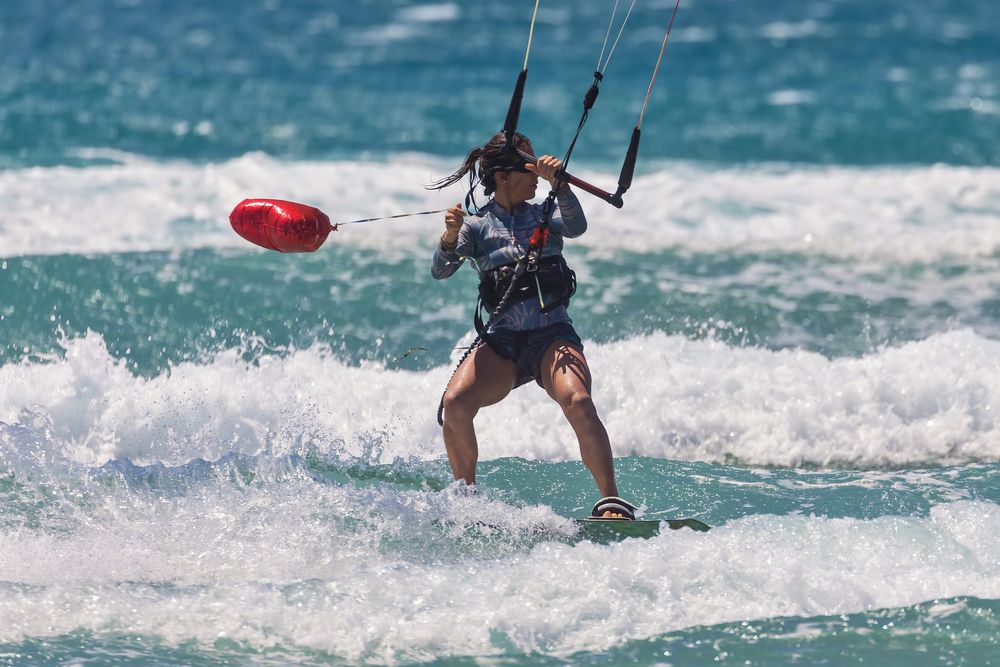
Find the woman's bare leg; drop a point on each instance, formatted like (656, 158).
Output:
(567, 379)
(484, 378)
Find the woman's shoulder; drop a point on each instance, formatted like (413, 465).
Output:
(476, 222)
(484, 211)
(483, 218)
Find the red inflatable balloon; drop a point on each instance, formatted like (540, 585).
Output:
(285, 226)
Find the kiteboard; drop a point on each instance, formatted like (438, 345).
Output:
(597, 529)
(592, 529)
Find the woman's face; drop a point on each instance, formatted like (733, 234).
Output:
(520, 186)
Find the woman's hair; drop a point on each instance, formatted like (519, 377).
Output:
(482, 164)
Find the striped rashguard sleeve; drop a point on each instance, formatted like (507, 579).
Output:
(570, 221)
(445, 262)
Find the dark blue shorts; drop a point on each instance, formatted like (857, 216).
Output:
(526, 348)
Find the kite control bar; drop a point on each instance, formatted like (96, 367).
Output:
(613, 199)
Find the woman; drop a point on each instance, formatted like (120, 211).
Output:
(527, 339)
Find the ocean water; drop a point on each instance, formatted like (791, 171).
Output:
(213, 454)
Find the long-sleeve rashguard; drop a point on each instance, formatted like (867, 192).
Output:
(494, 237)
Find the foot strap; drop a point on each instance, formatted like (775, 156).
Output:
(615, 505)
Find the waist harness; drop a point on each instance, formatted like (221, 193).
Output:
(549, 275)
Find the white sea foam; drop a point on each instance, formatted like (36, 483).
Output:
(434, 13)
(884, 214)
(780, 98)
(784, 31)
(273, 568)
(931, 401)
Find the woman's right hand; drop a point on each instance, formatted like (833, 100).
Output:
(453, 219)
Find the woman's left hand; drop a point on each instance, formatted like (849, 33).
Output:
(547, 167)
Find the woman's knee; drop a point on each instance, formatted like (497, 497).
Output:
(579, 406)
(460, 404)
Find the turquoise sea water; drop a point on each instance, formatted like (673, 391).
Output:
(211, 454)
